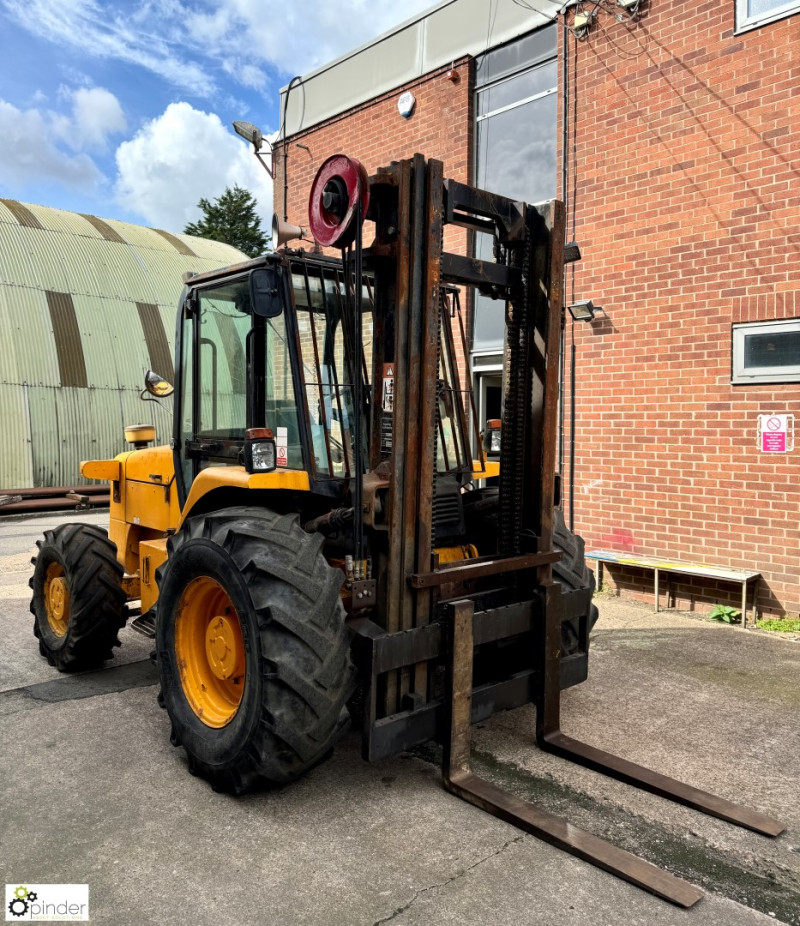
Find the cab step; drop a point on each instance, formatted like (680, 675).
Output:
(145, 624)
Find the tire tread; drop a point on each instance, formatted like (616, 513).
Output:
(306, 672)
(96, 596)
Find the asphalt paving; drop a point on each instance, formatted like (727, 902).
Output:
(93, 792)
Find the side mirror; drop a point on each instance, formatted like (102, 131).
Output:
(157, 386)
(266, 295)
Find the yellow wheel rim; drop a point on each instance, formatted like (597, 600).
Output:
(56, 599)
(209, 649)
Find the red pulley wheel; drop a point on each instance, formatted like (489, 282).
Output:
(340, 185)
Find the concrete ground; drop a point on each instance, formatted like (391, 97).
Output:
(92, 792)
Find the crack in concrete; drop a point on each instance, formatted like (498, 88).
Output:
(455, 877)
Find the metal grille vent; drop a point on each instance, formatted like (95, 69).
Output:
(448, 516)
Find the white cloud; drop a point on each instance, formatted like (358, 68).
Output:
(96, 114)
(303, 36)
(30, 156)
(182, 155)
(191, 42)
(151, 35)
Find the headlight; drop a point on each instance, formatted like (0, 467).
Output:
(491, 436)
(259, 450)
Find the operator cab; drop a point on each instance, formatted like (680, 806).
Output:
(261, 346)
(268, 346)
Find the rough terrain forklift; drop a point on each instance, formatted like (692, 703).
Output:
(322, 540)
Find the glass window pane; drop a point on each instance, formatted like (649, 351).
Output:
(281, 413)
(778, 349)
(765, 7)
(227, 340)
(529, 83)
(517, 158)
(522, 53)
(517, 151)
(186, 397)
(225, 322)
(751, 13)
(326, 360)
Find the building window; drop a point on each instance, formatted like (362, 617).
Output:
(753, 13)
(767, 352)
(515, 133)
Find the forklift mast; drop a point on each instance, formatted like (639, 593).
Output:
(401, 640)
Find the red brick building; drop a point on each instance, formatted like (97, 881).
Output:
(672, 130)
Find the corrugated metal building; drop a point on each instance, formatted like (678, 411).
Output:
(87, 305)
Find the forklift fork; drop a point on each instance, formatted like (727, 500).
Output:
(459, 779)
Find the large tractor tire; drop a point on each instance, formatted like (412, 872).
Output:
(571, 572)
(252, 647)
(78, 600)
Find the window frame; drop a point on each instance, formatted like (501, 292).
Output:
(544, 53)
(745, 23)
(753, 376)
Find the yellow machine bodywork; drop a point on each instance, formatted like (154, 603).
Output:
(144, 507)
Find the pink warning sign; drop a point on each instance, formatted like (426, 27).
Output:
(773, 442)
(775, 433)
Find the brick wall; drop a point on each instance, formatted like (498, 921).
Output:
(687, 211)
(375, 133)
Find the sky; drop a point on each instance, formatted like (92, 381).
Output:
(123, 108)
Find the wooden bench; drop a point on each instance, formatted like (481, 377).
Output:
(742, 576)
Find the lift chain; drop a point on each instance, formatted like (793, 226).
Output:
(514, 408)
(436, 413)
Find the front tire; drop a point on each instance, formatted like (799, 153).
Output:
(253, 651)
(77, 600)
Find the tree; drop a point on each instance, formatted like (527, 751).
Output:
(232, 219)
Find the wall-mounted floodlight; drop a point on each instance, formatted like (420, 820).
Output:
(584, 311)
(254, 135)
(249, 132)
(572, 252)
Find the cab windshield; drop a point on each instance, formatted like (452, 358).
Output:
(325, 332)
(237, 373)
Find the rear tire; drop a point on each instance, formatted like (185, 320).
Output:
(571, 572)
(295, 648)
(77, 600)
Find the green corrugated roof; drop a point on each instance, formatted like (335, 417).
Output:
(98, 269)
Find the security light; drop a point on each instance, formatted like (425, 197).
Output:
(255, 136)
(250, 133)
(583, 311)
